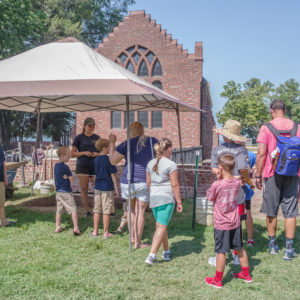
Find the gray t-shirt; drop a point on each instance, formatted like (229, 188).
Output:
(161, 190)
(239, 152)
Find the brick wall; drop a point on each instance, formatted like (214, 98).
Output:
(182, 77)
(205, 177)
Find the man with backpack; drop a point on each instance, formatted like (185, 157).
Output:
(277, 162)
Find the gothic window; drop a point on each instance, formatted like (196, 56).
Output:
(115, 119)
(156, 119)
(136, 57)
(156, 71)
(140, 61)
(150, 57)
(143, 70)
(143, 118)
(158, 84)
(130, 49)
(142, 49)
(130, 67)
(122, 57)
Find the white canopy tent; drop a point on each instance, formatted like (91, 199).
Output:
(70, 76)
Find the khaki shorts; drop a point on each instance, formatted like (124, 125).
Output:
(2, 194)
(65, 200)
(103, 202)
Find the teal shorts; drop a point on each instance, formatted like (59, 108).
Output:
(163, 213)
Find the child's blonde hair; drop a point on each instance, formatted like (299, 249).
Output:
(159, 148)
(62, 151)
(227, 162)
(137, 129)
(102, 143)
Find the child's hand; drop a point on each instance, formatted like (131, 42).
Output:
(112, 138)
(94, 154)
(65, 176)
(179, 207)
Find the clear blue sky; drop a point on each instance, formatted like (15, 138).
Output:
(241, 38)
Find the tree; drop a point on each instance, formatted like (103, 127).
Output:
(247, 103)
(25, 24)
(289, 93)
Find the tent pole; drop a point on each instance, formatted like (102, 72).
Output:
(128, 172)
(38, 111)
(181, 154)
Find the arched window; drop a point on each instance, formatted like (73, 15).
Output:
(143, 70)
(140, 61)
(158, 84)
(156, 71)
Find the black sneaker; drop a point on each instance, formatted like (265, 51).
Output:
(88, 214)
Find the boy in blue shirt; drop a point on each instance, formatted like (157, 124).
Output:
(3, 183)
(104, 188)
(64, 196)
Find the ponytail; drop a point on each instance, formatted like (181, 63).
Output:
(159, 148)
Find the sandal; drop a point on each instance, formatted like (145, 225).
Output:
(110, 234)
(93, 235)
(60, 230)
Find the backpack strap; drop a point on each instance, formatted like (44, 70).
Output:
(294, 129)
(273, 129)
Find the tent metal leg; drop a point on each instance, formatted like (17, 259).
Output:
(181, 154)
(129, 173)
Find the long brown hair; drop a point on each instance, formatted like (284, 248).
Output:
(137, 129)
(159, 148)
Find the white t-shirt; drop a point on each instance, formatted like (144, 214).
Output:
(161, 190)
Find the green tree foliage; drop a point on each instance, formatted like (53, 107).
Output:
(289, 92)
(247, 103)
(24, 24)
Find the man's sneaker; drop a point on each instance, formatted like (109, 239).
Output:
(212, 261)
(289, 254)
(212, 282)
(250, 243)
(274, 249)
(166, 256)
(242, 276)
(150, 260)
(236, 260)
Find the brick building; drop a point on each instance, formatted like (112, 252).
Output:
(142, 47)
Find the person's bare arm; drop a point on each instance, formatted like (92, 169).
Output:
(75, 152)
(114, 179)
(114, 156)
(5, 174)
(260, 162)
(148, 180)
(176, 189)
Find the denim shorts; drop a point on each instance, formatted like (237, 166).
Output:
(163, 213)
(138, 190)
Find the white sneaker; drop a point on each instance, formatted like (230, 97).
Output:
(150, 260)
(212, 261)
(236, 260)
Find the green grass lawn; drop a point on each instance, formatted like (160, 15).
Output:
(36, 263)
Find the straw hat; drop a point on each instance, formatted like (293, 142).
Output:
(232, 131)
